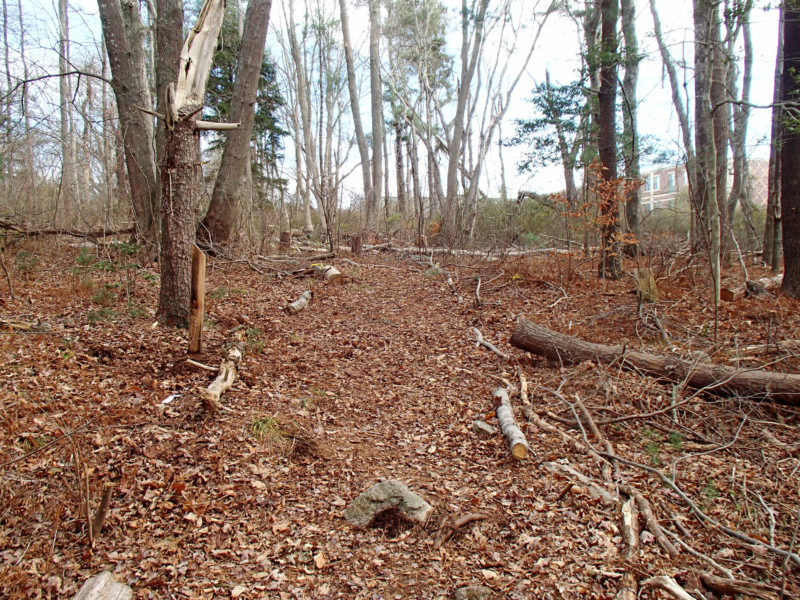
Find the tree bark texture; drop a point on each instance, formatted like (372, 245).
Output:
(355, 106)
(169, 38)
(376, 96)
(630, 120)
(790, 152)
(609, 267)
(715, 379)
(181, 179)
(69, 177)
(125, 45)
(220, 219)
(772, 226)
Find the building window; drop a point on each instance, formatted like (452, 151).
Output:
(670, 182)
(647, 184)
(655, 185)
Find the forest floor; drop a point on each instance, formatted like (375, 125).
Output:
(379, 378)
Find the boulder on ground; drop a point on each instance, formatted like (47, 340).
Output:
(389, 494)
(103, 587)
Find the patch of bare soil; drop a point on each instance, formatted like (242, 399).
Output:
(380, 378)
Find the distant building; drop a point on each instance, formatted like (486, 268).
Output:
(664, 185)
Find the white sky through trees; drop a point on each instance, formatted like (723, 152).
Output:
(557, 50)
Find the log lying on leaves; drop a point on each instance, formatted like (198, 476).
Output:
(505, 415)
(783, 388)
(299, 304)
(330, 273)
(750, 288)
(228, 371)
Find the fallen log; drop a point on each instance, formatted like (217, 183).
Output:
(330, 273)
(783, 388)
(295, 307)
(750, 288)
(228, 371)
(505, 415)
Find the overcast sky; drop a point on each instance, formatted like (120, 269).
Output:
(557, 50)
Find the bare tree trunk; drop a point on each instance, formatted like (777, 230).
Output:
(220, 219)
(790, 153)
(355, 108)
(4, 171)
(399, 167)
(122, 31)
(24, 105)
(169, 20)
(721, 118)
(630, 124)
(469, 60)
(68, 172)
(706, 195)
(376, 96)
(683, 116)
(419, 205)
(772, 225)
(609, 267)
(568, 154)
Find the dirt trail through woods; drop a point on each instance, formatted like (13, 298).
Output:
(378, 378)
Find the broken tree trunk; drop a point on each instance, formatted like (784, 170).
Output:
(295, 307)
(751, 288)
(783, 388)
(228, 371)
(505, 415)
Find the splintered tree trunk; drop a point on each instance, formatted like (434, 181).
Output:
(783, 388)
(181, 172)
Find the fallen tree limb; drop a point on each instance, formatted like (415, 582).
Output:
(783, 388)
(750, 288)
(89, 235)
(731, 587)
(449, 530)
(295, 307)
(228, 372)
(505, 415)
(669, 585)
(487, 345)
(595, 489)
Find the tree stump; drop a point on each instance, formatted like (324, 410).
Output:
(286, 242)
(355, 244)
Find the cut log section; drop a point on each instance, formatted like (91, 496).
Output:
(228, 371)
(295, 307)
(505, 415)
(750, 288)
(330, 273)
(715, 379)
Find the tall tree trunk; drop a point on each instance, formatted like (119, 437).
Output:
(706, 194)
(376, 97)
(630, 123)
(772, 224)
(220, 219)
(680, 110)
(355, 105)
(469, 60)
(4, 170)
(24, 105)
(740, 187)
(398, 166)
(68, 164)
(181, 172)
(609, 267)
(721, 118)
(419, 205)
(123, 34)
(790, 152)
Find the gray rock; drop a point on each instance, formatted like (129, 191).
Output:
(483, 429)
(384, 495)
(473, 592)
